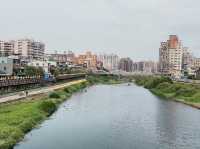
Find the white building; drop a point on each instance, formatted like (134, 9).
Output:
(175, 61)
(110, 61)
(25, 48)
(43, 64)
(171, 56)
(6, 48)
(30, 49)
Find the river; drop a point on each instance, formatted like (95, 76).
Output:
(117, 117)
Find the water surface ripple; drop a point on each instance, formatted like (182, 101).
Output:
(117, 117)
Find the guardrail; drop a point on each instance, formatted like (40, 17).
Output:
(70, 76)
(15, 82)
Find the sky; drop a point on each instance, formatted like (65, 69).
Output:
(129, 28)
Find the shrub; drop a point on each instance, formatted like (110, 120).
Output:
(185, 92)
(9, 136)
(54, 95)
(194, 98)
(153, 82)
(27, 125)
(67, 90)
(168, 88)
(83, 85)
(48, 106)
(163, 86)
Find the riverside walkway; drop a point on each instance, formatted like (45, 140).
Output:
(21, 95)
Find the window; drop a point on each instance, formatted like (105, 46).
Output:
(4, 68)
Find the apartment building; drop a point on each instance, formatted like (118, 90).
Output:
(188, 60)
(126, 64)
(25, 48)
(164, 58)
(110, 61)
(6, 48)
(63, 57)
(88, 59)
(148, 67)
(29, 49)
(171, 56)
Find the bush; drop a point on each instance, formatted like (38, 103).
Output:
(48, 106)
(67, 90)
(194, 98)
(168, 88)
(83, 85)
(9, 136)
(163, 86)
(155, 81)
(104, 79)
(54, 95)
(27, 125)
(185, 92)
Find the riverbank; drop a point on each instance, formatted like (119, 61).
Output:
(106, 79)
(188, 94)
(35, 92)
(19, 117)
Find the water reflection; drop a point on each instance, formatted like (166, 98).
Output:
(118, 117)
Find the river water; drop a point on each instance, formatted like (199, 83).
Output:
(117, 117)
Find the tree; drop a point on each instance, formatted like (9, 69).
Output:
(54, 71)
(33, 71)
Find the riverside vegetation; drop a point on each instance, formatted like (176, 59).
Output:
(106, 79)
(165, 87)
(18, 118)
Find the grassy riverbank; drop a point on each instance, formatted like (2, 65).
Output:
(19, 117)
(164, 87)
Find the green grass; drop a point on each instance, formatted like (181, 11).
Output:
(105, 79)
(18, 118)
(163, 87)
(54, 95)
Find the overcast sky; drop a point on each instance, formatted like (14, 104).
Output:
(131, 28)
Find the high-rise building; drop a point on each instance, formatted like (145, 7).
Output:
(170, 57)
(30, 49)
(25, 48)
(175, 55)
(163, 58)
(148, 67)
(188, 60)
(110, 61)
(126, 64)
(6, 48)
